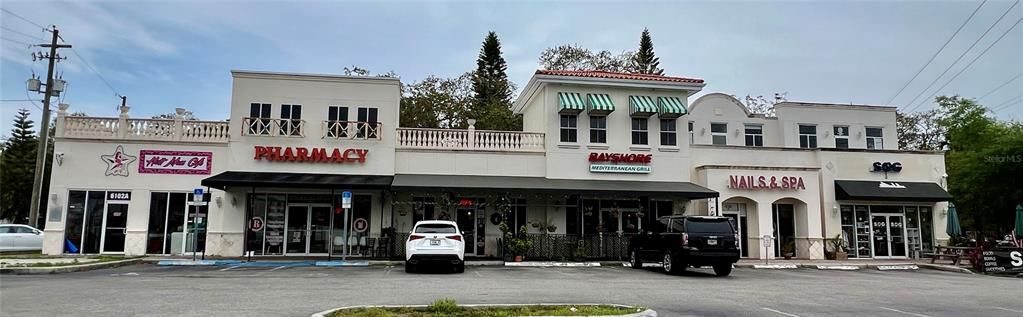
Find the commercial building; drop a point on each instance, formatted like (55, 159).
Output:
(600, 155)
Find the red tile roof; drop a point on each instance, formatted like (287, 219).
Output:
(614, 75)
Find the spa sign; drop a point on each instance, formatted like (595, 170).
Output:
(766, 182)
(620, 163)
(175, 162)
(311, 155)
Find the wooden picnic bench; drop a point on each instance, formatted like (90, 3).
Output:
(947, 252)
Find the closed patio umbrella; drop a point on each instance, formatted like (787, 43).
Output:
(1019, 222)
(952, 228)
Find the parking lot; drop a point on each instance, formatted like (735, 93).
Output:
(151, 290)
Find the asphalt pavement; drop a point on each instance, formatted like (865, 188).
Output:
(151, 290)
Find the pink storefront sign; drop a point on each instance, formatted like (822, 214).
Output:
(175, 162)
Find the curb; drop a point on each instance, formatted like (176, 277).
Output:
(897, 267)
(646, 313)
(552, 264)
(68, 268)
(945, 268)
(775, 266)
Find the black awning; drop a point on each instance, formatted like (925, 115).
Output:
(297, 180)
(540, 184)
(890, 190)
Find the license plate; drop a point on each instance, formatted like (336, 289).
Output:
(434, 242)
(712, 241)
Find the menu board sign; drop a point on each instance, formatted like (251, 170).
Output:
(1003, 260)
(275, 226)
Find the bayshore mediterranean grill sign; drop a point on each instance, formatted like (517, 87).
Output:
(175, 162)
(766, 182)
(620, 163)
(313, 155)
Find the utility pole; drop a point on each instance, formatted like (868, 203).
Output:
(44, 131)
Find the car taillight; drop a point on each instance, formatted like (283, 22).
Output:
(685, 239)
(415, 237)
(459, 238)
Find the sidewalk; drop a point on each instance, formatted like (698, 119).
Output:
(850, 264)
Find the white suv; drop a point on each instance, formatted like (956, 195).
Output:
(435, 241)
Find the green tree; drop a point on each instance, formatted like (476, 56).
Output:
(188, 115)
(17, 168)
(920, 130)
(645, 61)
(492, 89)
(984, 163)
(437, 102)
(574, 57)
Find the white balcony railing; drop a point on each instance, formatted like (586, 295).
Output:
(351, 130)
(124, 128)
(470, 140)
(252, 126)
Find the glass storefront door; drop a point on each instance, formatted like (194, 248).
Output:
(319, 229)
(784, 228)
(307, 229)
(114, 228)
(889, 235)
(737, 212)
(467, 223)
(295, 229)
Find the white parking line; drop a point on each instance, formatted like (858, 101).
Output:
(229, 268)
(477, 273)
(1012, 310)
(904, 312)
(778, 312)
(278, 268)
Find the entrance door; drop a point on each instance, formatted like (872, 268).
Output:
(737, 211)
(467, 223)
(784, 228)
(295, 230)
(889, 236)
(319, 229)
(114, 228)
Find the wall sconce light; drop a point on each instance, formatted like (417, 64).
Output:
(859, 135)
(834, 210)
(59, 157)
(234, 201)
(220, 201)
(738, 132)
(944, 212)
(703, 131)
(827, 133)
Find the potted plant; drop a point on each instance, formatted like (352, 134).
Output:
(838, 248)
(788, 250)
(517, 246)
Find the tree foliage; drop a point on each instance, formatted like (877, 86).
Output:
(437, 102)
(920, 131)
(492, 89)
(574, 57)
(644, 60)
(188, 115)
(984, 163)
(762, 106)
(17, 168)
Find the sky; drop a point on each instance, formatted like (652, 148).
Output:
(168, 54)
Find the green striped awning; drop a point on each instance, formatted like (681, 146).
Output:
(642, 105)
(671, 107)
(600, 103)
(570, 103)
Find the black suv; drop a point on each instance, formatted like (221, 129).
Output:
(679, 242)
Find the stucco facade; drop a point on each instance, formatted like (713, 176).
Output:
(274, 181)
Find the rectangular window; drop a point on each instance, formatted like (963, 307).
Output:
(808, 136)
(875, 138)
(568, 128)
(669, 132)
(719, 133)
(692, 136)
(367, 126)
(166, 221)
(259, 124)
(639, 131)
(291, 123)
(337, 122)
(598, 129)
(841, 137)
(754, 135)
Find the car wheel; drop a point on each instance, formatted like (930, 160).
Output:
(409, 267)
(460, 267)
(723, 269)
(634, 260)
(670, 265)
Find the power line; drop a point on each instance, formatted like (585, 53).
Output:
(1000, 87)
(963, 54)
(1006, 103)
(971, 63)
(22, 33)
(938, 52)
(94, 71)
(16, 41)
(24, 19)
